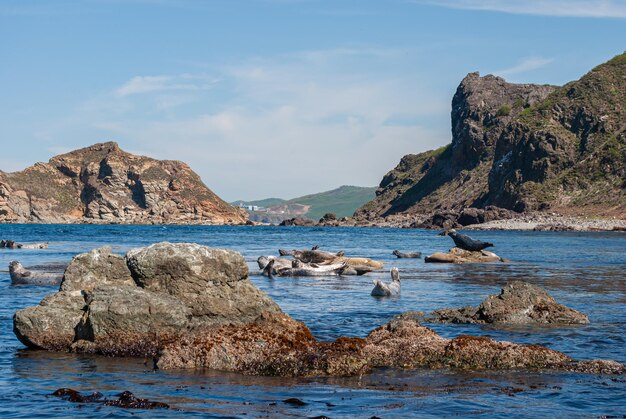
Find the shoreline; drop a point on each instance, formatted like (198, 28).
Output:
(523, 222)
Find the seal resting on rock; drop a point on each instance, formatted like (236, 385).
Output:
(276, 266)
(22, 276)
(11, 244)
(386, 290)
(465, 242)
(410, 255)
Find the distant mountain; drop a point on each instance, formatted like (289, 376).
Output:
(104, 184)
(342, 201)
(522, 147)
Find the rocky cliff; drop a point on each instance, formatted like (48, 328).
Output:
(522, 147)
(104, 184)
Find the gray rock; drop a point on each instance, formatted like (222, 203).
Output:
(518, 303)
(50, 325)
(174, 289)
(97, 267)
(184, 268)
(128, 320)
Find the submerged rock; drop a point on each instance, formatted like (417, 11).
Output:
(126, 399)
(457, 255)
(518, 303)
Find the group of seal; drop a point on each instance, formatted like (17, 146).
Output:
(12, 244)
(315, 262)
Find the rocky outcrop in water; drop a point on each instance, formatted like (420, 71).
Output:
(104, 184)
(131, 305)
(518, 303)
(521, 147)
(277, 345)
(194, 307)
(456, 255)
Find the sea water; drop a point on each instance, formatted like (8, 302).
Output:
(585, 271)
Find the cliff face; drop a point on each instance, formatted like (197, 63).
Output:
(523, 147)
(104, 184)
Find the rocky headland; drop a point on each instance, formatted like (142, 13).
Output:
(518, 151)
(104, 184)
(191, 306)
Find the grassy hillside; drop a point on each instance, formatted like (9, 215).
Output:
(342, 201)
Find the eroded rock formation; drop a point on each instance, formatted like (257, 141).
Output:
(521, 147)
(104, 184)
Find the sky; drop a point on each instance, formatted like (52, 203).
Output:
(274, 98)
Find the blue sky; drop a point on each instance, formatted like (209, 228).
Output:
(274, 97)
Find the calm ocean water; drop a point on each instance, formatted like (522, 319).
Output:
(586, 271)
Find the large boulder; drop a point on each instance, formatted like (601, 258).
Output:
(132, 305)
(213, 283)
(518, 303)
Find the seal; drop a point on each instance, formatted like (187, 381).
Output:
(12, 244)
(22, 276)
(410, 255)
(386, 290)
(467, 243)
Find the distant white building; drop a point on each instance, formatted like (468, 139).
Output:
(252, 207)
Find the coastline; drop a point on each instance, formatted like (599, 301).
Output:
(521, 222)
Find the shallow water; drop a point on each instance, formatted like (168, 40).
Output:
(586, 271)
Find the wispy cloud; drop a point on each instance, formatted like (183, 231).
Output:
(566, 8)
(294, 113)
(151, 84)
(525, 65)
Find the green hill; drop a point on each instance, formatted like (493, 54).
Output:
(342, 201)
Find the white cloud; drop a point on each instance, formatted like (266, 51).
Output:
(150, 84)
(287, 126)
(566, 8)
(527, 64)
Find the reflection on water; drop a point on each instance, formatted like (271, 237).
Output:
(582, 270)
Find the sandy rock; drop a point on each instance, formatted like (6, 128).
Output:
(518, 303)
(457, 255)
